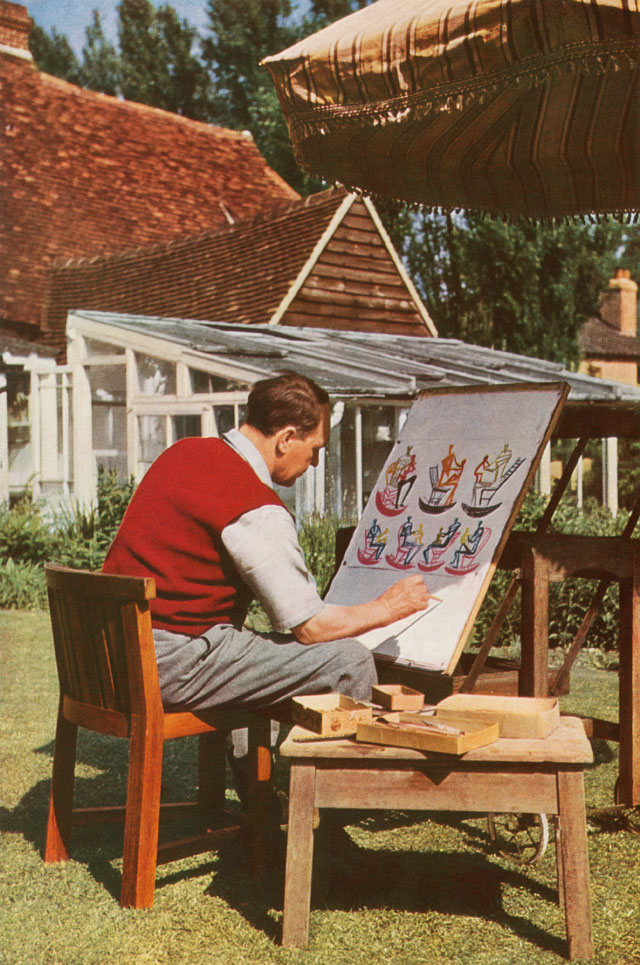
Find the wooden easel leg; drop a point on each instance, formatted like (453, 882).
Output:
(143, 815)
(575, 863)
(629, 690)
(61, 796)
(535, 626)
(297, 888)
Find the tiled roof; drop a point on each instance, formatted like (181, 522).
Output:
(599, 340)
(85, 174)
(239, 274)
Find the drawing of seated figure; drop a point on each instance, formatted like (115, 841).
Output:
(442, 540)
(450, 475)
(409, 543)
(401, 476)
(487, 472)
(469, 544)
(376, 538)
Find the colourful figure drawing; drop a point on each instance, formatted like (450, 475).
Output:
(399, 479)
(465, 558)
(443, 484)
(409, 543)
(489, 477)
(434, 552)
(375, 540)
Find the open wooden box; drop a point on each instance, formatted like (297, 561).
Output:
(455, 736)
(329, 715)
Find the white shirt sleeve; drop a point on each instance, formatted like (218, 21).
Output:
(264, 547)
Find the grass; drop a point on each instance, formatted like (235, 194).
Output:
(421, 891)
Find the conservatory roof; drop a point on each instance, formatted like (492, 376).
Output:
(365, 365)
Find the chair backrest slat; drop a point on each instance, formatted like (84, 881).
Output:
(103, 639)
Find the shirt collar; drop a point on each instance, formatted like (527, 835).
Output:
(245, 448)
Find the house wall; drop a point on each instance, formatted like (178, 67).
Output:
(617, 370)
(355, 285)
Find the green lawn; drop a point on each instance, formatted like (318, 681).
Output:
(419, 891)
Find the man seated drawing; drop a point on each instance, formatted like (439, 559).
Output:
(206, 524)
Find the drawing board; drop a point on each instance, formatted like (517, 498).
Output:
(443, 507)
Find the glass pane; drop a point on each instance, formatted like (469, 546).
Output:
(186, 425)
(343, 484)
(108, 383)
(225, 418)
(94, 347)
(209, 382)
(19, 427)
(155, 376)
(378, 429)
(152, 430)
(109, 426)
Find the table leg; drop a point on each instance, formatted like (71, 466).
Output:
(297, 887)
(574, 863)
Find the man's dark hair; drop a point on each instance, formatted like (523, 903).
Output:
(287, 399)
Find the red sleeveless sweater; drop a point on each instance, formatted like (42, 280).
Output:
(172, 532)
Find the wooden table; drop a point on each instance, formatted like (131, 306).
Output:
(527, 776)
(553, 558)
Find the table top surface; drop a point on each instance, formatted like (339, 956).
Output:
(567, 744)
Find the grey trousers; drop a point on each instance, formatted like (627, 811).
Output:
(230, 667)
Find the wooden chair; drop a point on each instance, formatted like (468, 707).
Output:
(109, 684)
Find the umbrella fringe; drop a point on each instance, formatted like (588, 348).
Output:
(390, 204)
(323, 119)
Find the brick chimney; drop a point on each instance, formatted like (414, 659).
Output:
(15, 27)
(618, 306)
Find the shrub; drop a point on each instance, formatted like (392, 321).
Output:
(30, 536)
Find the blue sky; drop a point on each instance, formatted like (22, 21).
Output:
(71, 17)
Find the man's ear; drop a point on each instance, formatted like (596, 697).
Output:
(284, 438)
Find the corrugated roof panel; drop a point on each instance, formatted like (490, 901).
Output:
(363, 364)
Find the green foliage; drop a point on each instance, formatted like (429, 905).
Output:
(22, 586)
(54, 55)
(30, 537)
(568, 599)
(521, 287)
(157, 65)
(317, 536)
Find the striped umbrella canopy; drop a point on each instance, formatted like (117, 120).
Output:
(513, 107)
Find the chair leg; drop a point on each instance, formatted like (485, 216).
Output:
(57, 847)
(211, 769)
(143, 814)
(259, 793)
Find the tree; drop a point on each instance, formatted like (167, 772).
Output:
(54, 55)
(520, 287)
(157, 65)
(100, 68)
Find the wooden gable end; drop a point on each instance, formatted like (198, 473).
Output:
(355, 284)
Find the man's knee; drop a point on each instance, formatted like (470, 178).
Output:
(357, 669)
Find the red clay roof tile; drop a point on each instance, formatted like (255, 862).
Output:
(85, 174)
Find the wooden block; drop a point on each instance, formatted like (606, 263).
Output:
(330, 715)
(519, 717)
(457, 736)
(397, 697)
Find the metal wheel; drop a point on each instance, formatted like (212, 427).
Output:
(630, 815)
(522, 838)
